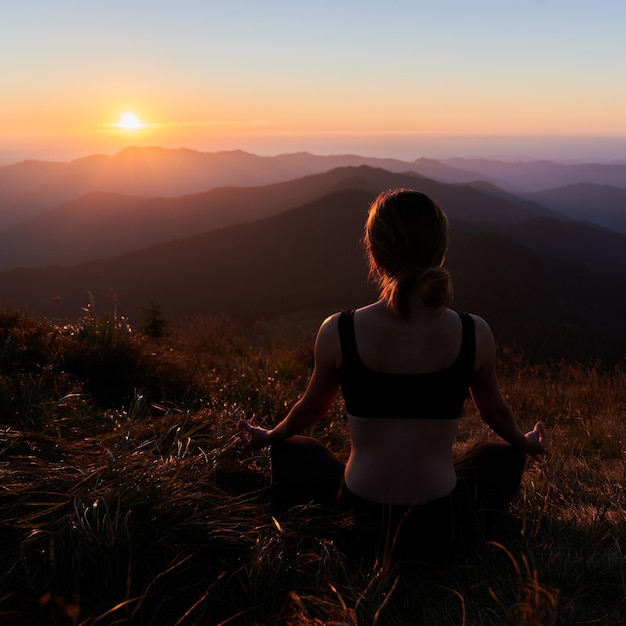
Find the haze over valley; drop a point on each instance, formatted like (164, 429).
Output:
(537, 247)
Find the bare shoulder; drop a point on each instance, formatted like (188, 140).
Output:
(482, 328)
(327, 344)
(485, 343)
(329, 326)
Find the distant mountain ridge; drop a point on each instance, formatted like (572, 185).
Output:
(103, 225)
(600, 204)
(544, 280)
(29, 188)
(530, 176)
(309, 258)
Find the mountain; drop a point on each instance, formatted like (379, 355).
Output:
(601, 204)
(104, 225)
(20, 197)
(309, 258)
(29, 188)
(283, 263)
(537, 175)
(443, 172)
(545, 306)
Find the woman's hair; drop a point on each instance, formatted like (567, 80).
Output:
(406, 238)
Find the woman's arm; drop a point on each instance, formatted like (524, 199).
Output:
(488, 399)
(317, 399)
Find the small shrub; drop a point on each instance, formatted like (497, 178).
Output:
(154, 324)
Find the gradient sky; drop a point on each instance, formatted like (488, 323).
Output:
(405, 78)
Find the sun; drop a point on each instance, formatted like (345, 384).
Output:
(129, 121)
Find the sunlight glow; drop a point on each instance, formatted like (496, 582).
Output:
(129, 121)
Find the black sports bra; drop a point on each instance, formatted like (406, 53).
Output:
(432, 395)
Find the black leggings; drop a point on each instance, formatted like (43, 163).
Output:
(488, 477)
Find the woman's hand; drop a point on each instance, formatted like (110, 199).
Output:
(252, 437)
(536, 439)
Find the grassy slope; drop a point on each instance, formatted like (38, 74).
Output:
(126, 500)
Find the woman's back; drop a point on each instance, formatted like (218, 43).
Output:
(405, 365)
(404, 392)
(429, 341)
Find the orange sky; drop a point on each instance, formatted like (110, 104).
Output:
(266, 77)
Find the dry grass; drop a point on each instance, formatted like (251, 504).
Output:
(135, 505)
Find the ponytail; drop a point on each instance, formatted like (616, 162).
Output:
(406, 238)
(434, 285)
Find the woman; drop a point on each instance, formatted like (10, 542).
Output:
(405, 365)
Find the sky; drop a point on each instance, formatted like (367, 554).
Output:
(404, 78)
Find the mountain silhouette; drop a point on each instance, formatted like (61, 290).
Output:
(538, 175)
(30, 188)
(104, 225)
(601, 204)
(309, 258)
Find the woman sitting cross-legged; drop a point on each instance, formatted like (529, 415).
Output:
(405, 365)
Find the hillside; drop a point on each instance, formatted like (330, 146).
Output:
(548, 306)
(122, 479)
(265, 268)
(601, 204)
(103, 225)
(309, 258)
(538, 175)
(29, 188)
(595, 250)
